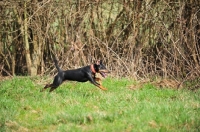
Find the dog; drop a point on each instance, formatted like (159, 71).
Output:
(83, 74)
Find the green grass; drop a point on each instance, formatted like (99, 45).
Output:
(83, 107)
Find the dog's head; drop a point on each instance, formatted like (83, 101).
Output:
(101, 68)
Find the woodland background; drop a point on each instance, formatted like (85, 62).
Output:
(135, 38)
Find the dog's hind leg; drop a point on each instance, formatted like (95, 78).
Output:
(56, 82)
(47, 86)
(53, 88)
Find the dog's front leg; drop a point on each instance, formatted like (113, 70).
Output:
(95, 83)
(98, 80)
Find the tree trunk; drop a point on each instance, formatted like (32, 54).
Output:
(31, 67)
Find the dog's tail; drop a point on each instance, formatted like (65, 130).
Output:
(56, 64)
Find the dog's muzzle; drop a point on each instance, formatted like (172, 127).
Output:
(104, 73)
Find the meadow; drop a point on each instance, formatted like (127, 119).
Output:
(83, 107)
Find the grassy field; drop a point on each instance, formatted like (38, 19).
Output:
(83, 107)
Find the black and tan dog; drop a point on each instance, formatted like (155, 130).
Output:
(83, 74)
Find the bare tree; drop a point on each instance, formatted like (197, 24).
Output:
(136, 38)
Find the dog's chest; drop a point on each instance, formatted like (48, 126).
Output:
(94, 75)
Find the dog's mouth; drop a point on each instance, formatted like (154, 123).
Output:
(104, 73)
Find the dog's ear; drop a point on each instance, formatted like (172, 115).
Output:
(98, 62)
(101, 62)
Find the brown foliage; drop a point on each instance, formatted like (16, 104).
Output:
(138, 38)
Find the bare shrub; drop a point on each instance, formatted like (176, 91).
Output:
(139, 39)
